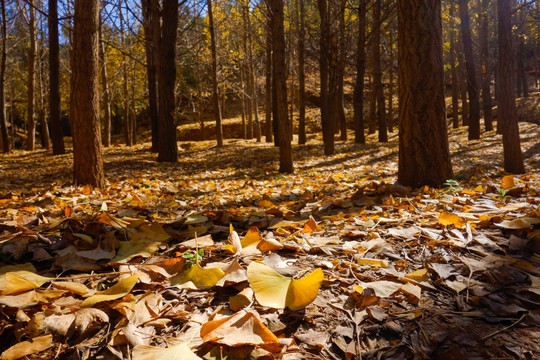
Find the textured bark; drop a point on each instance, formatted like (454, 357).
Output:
(358, 99)
(151, 31)
(506, 102)
(4, 138)
(377, 72)
(54, 82)
(326, 119)
(454, 70)
(484, 57)
(472, 83)
(106, 102)
(215, 90)
(84, 110)
(280, 87)
(168, 150)
(424, 158)
(31, 126)
(302, 138)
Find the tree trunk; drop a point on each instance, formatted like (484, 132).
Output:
(87, 156)
(340, 108)
(506, 102)
(358, 101)
(377, 72)
(4, 138)
(151, 32)
(57, 136)
(268, 86)
(454, 70)
(391, 82)
(424, 158)
(326, 119)
(43, 125)
(484, 57)
(462, 78)
(523, 88)
(215, 90)
(243, 101)
(372, 126)
(31, 128)
(280, 87)
(106, 100)
(302, 138)
(472, 83)
(168, 150)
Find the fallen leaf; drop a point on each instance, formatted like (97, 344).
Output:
(26, 348)
(418, 275)
(197, 277)
(20, 281)
(311, 226)
(446, 219)
(277, 291)
(175, 352)
(516, 224)
(381, 288)
(373, 262)
(241, 300)
(508, 182)
(120, 289)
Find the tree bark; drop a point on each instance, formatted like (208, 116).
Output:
(106, 100)
(269, 128)
(472, 83)
(523, 88)
(302, 138)
(391, 82)
(462, 79)
(326, 119)
(168, 150)
(506, 102)
(151, 32)
(215, 89)
(3, 116)
(424, 158)
(55, 120)
(484, 57)
(358, 100)
(31, 128)
(280, 87)
(339, 106)
(87, 156)
(454, 70)
(377, 72)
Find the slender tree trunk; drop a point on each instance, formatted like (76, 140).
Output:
(372, 126)
(506, 102)
(151, 32)
(268, 86)
(391, 82)
(132, 112)
(106, 100)
(472, 83)
(215, 90)
(454, 70)
(43, 125)
(243, 98)
(302, 138)
(523, 88)
(340, 108)
(31, 128)
(462, 78)
(87, 156)
(3, 116)
(166, 76)
(377, 72)
(484, 57)
(255, 127)
(57, 136)
(326, 119)
(358, 101)
(424, 158)
(280, 87)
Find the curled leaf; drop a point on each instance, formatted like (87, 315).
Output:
(120, 289)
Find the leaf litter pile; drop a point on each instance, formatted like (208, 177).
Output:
(220, 257)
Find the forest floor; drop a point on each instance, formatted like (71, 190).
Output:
(145, 268)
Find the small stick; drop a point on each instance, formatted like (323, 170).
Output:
(504, 329)
(82, 276)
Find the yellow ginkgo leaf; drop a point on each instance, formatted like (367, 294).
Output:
(508, 182)
(118, 290)
(479, 189)
(373, 262)
(446, 219)
(20, 281)
(311, 226)
(418, 275)
(277, 291)
(197, 277)
(252, 237)
(176, 352)
(26, 348)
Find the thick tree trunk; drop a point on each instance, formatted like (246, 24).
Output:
(151, 32)
(424, 158)
(4, 138)
(506, 102)
(106, 137)
(454, 70)
(87, 156)
(168, 150)
(472, 83)
(302, 138)
(57, 136)
(377, 72)
(484, 57)
(215, 89)
(326, 119)
(31, 127)
(358, 100)
(280, 87)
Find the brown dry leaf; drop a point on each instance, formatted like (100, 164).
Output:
(446, 219)
(120, 289)
(234, 274)
(175, 352)
(26, 348)
(242, 328)
(241, 300)
(516, 224)
(269, 244)
(382, 288)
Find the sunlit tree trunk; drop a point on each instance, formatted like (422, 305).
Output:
(215, 90)
(424, 158)
(31, 93)
(506, 101)
(280, 87)
(3, 57)
(472, 83)
(87, 156)
(358, 101)
(54, 82)
(484, 57)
